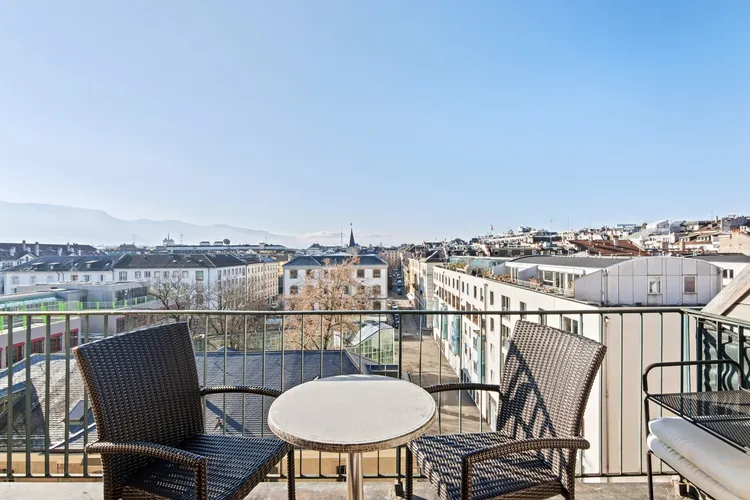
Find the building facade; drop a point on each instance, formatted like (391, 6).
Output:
(371, 272)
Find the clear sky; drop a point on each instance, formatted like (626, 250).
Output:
(418, 119)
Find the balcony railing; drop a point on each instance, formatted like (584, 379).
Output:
(46, 420)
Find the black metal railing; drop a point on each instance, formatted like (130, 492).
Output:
(46, 421)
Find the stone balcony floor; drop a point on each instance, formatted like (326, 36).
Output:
(312, 490)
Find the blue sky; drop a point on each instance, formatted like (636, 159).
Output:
(412, 120)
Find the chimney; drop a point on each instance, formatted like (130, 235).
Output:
(69, 249)
(12, 251)
(36, 249)
(23, 246)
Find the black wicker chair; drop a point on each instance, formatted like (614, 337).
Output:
(545, 385)
(148, 409)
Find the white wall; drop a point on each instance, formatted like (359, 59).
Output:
(47, 277)
(627, 283)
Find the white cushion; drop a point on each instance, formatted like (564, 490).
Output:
(727, 465)
(688, 470)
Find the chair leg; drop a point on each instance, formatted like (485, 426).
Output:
(650, 474)
(409, 474)
(290, 474)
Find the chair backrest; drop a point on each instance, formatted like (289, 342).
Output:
(143, 385)
(546, 382)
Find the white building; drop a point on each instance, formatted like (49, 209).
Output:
(473, 344)
(207, 269)
(48, 270)
(371, 272)
(731, 264)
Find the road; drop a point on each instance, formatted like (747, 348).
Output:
(423, 351)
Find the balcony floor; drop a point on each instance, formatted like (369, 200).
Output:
(309, 490)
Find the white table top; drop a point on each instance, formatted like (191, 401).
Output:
(352, 413)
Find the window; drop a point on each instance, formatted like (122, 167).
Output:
(570, 325)
(492, 351)
(198, 275)
(17, 354)
(73, 277)
(14, 280)
(505, 302)
(689, 284)
(376, 273)
(462, 288)
(293, 290)
(728, 273)
(37, 346)
(345, 290)
(87, 277)
(137, 275)
(156, 274)
(492, 376)
(492, 298)
(293, 274)
(504, 331)
(522, 307)
(123, 275)
(101, 276)
(73, 337)
(475, 291)
(176, 274)
(55, 342)
(32, 280)
(376, 290)
(376, 305)
(360, 273)
(492, 324)
(184, 274)
(654, 285)
(309, 273)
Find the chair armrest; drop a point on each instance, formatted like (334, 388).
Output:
(462, 386)
(687, 363)
(247, 389)
(490, 452)
(152, 450)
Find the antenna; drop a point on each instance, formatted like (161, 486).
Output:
(180, 238)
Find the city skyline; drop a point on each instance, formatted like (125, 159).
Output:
(415, 121)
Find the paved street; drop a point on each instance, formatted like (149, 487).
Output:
(425, 352)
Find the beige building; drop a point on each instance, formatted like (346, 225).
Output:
(262, 278)
(735, 242)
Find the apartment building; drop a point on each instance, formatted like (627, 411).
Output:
(190, 268)
(371, 272)
(474, 344)
(56, 269)
(262, 282)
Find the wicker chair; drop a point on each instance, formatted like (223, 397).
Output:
(545, 384)
(149, 416)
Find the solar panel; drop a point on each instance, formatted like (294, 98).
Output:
(76, 414)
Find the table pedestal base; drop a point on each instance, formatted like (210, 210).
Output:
(355, 486)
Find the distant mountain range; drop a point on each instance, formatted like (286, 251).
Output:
(60, 224)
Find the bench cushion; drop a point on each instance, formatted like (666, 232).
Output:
(688, 470)
(726, 465)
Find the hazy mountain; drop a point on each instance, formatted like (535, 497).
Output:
(60, 224)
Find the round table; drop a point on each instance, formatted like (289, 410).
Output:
(352, 414)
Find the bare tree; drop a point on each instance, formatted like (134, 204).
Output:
(174, 293)
(333, 288)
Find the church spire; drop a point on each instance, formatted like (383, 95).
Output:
(352, 244)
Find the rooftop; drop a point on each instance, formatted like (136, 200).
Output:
(553, 260)
(322, 260)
